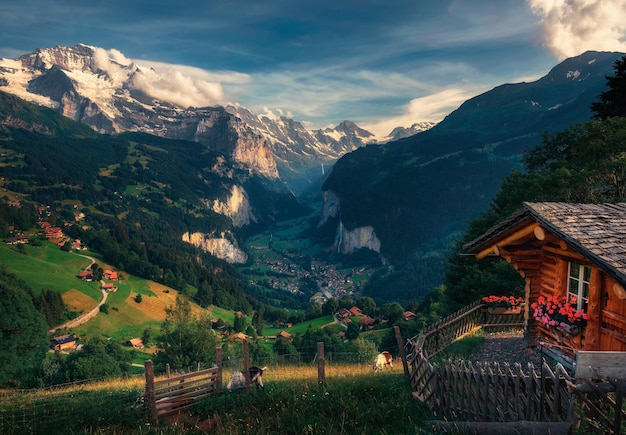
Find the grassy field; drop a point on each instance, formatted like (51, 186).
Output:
(353, 400)
(52, 268)
(48, 267)
(300, 328)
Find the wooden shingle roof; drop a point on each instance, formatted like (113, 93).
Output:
(597, 231)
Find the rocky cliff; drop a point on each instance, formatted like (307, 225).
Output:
(222, 247)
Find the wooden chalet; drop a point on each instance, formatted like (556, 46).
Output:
(576, 251)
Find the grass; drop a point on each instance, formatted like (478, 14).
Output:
(355, 403)
(353, 400)
(301, 328)
(48, 267)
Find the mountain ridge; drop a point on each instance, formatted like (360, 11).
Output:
(111, 94)
(417, 195)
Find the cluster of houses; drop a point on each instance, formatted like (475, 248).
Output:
(365, 322)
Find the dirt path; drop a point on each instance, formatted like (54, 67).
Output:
(87, 316)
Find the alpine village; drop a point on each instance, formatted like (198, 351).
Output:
(170, 271)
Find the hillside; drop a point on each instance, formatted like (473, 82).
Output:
(157, 208)
(414, 197)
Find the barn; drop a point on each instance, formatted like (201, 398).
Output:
(572, 256)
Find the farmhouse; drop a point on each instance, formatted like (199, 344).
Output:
(409, 315)
(573, 255)
(137, 343)
(356, 312)
(284, 335)
(110, 274)
(86, 275)
(366, 323)
(53, 233)
(63, 342)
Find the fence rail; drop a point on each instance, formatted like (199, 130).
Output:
(491, 392)
(174, 394)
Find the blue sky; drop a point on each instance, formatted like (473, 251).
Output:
(379, 63)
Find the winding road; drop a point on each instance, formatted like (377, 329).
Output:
(86, 316)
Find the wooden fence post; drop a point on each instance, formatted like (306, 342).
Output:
(246, 364)
(401, 352)
(218, 362)
(150, 397)
(321, 363)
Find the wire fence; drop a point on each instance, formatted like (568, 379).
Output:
(95, 403)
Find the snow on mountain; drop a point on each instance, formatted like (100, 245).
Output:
(112, 94)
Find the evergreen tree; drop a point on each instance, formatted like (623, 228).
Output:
(23, 333)
(613, 100)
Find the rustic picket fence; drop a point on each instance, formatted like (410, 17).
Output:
(489, 391)
(475, 396)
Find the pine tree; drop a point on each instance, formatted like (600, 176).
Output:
(613, 101)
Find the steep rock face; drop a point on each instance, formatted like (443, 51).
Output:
(221, 247)
(237, 207)
(330, 207)
(349, 241)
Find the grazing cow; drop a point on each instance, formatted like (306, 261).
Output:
(238, 380)
(382, 360)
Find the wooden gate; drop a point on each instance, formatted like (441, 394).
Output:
(172, 395)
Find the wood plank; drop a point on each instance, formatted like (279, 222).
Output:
(600, 365)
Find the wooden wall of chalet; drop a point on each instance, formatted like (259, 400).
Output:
(546, 271)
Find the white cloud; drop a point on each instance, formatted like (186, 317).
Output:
(570, 27)
(173, 86)
(433, 107)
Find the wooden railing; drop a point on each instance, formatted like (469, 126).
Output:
(172, 395)
(494, 392)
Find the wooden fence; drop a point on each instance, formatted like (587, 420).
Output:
(172, 395)
(473, 397)
(493, 392)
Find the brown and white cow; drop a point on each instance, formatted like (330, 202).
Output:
(382, 360)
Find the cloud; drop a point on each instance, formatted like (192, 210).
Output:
(433, 107)
(180, 85)
(570, 27)
(174, 87)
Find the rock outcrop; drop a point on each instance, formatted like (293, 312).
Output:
(221, 247)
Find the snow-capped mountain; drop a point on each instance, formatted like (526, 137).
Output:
(112, 94)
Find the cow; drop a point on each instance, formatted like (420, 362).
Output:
(237, 380)
(382, 360)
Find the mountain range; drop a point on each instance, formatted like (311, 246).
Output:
(113, 95)
(407, 199)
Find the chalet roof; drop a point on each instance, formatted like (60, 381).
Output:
(597, 231)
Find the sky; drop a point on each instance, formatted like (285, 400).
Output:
(379, 63)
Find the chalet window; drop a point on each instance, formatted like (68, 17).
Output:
(578, 285)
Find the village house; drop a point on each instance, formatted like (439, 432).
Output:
(19, 238)
(52, 233)
(355, 312)
(284, 335)
(366, 323)
(238, 336)
(137, 343)
(110, 274)
(408, 315)
(86, 275)
(343, 313)
(574, 253)
(108, 286)
(63, 342)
